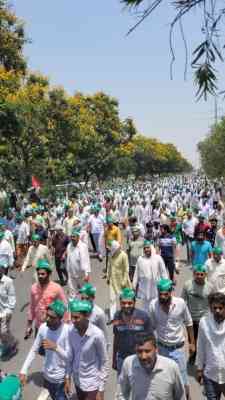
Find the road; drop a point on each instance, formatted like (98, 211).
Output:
(33, 389)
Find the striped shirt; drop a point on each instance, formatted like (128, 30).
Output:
(166, 245)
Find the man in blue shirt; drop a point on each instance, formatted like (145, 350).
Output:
(201, 249)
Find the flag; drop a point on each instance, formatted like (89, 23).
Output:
(35, 182)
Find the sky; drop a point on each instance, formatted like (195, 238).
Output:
(82, 45)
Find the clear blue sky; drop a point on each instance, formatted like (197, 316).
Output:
(82, 45)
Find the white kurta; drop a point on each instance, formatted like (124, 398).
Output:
(78, 266)
(149, 270)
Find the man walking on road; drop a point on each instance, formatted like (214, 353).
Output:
(148, 375)
(168, 316)
(150, 268)
(59, 243)
(36, 252)
(8, 344)
(43, 293)
(6, 252)
(215, 262)
(195, 294)
(97, 316)
(167, 246)
(210, 348)
(77, 263)
(117, 275)
(87, 359)
(128, 321)
(51, 342)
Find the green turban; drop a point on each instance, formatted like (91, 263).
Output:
(109, 219)
(19, 217)
(75, 232)
(43, 264)
(88, 289)
(10, 388)
(165, 285)
(3, 264)
(35, 237)
(127, 293)
(217, 250)
(83, 306)
(58, 307)
(147, 243)
(199, 268)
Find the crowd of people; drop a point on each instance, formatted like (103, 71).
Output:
(142, 235)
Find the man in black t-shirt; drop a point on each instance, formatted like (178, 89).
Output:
(128, 321)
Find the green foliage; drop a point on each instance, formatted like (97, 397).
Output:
(12, 39)
(57, 137)
(212, 150)
(208, 52)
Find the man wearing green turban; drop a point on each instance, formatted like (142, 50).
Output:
(149, 269)
(195, 294)
(215, 262)
(90, 370)
(77, 263)
(42, 293)
(169, 315)
(97, 316)
(52, 343)
(96, 228)
(36, 252)
(217, 277)
(127, 322)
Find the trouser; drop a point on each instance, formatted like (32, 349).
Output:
(213, 390)
(96, 237)
(170, 265)
(119, 364)
(74, 284)
(61, 270)
(188, 240)
(7, 340)
(112, 302)
(56, 390)
(195, 329)
(178, 255)
(92, 242)
(83, 395)
(131, 272)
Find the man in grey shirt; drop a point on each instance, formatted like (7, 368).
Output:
(149, 376)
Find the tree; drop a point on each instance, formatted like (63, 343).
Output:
(12, 39)
(208, 52)
(23, 141)
(212, 150)
(98, 133)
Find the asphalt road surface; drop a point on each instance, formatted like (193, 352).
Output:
(33, 389)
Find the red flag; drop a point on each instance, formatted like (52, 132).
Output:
(35, 182)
